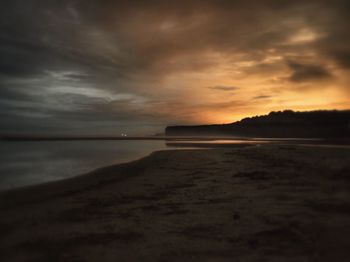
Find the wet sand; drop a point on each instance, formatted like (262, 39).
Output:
(258, 203)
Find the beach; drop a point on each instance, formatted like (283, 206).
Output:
(245, 203)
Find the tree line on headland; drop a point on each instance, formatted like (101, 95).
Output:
(287, 123)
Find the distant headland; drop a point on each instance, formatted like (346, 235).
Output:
(287, 123)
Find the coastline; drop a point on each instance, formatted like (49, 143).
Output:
(71, 185)
(276, 202)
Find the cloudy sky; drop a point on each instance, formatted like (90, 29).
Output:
(105, 67)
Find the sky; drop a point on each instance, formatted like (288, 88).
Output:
(93, 67)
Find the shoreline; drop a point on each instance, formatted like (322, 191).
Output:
(24, 138)
(78, 182)
(272, 202)
(175, 147)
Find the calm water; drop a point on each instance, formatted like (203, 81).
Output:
(28, 163)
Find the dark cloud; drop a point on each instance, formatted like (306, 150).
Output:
(306, 72)
(128, 55)
(224, 88)
(342, 58)
(262, 97)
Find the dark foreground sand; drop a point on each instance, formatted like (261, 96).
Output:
(260, 203)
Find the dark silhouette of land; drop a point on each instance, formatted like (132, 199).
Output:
(323, 124)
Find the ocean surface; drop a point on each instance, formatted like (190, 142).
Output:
(25, 163)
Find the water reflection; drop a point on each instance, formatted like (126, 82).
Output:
(27, 163)
(214, 143)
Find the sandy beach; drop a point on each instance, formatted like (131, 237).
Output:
(256, 203)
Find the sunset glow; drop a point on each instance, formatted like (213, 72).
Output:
(104, 67)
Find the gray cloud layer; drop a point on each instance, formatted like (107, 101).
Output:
(90, 66)
(305, 72)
